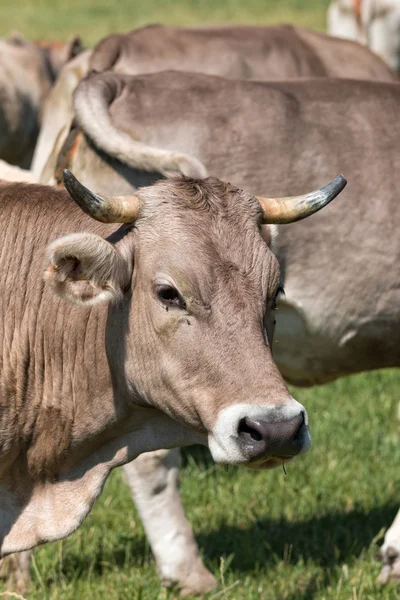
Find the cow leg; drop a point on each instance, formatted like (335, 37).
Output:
(154, 480)
(390, 553)
(15, 571)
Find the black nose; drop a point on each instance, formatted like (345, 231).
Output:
(260, 439)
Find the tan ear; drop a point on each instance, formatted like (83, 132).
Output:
(16, 38)
(85, 269)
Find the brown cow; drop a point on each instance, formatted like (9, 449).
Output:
(332, 321)
(27, 72)
(86, 388)
(265, 53)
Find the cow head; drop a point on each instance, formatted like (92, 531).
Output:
(192, 283)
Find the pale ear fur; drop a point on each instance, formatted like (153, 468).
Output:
(85, 269)
(269, 233)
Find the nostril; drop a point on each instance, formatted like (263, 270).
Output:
(298, 436)
(247, 432)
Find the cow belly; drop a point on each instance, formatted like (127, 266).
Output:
(308, 351)
(297, 350)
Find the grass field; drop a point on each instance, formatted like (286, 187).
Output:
(309, 534)
(96, 18)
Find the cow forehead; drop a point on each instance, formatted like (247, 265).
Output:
(209, 198)
(195, 228)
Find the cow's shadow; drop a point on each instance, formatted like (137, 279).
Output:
(330, 540)
(327, 540)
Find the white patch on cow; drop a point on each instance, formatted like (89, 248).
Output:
(274, 234)
(390, 553)
(347, 337)
(224, 440)
(13, 173)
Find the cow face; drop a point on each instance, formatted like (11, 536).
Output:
(192, 285)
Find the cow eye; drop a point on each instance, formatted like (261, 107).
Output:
(170, 296)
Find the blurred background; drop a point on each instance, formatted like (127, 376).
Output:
(93, 19)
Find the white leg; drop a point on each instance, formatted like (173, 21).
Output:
(154, 480)
(390, 553)
(14, 570)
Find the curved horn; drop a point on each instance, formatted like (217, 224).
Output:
(107, 209)
(295, 208)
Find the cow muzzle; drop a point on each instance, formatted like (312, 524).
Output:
(260, 437)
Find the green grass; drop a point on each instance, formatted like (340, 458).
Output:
(310, 534)
(96, 18)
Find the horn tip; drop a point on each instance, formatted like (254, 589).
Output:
(68, 177)
(341, 180)
(334, 187)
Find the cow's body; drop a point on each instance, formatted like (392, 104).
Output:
(264, 53)
(375, 23)
(27, 72)
(85, 389)
(237, 52)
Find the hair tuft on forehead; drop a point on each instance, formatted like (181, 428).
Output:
(208, 194)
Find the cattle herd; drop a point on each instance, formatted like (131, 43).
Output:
(138, 286)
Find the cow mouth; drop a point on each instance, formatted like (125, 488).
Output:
(269, 463)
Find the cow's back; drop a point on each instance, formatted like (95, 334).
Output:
(345, 58)
(239, 52)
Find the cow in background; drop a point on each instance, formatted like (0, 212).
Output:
(259, 53)
(374, 23)
(12, 173)
(27, 73)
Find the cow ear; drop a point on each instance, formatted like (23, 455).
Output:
(269, 233)
(85, 269)
(73, 47)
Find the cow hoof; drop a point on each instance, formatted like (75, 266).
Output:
(16, 579)
(390, 571)
(199, 581)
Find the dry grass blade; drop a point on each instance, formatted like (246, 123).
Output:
(13, 595)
